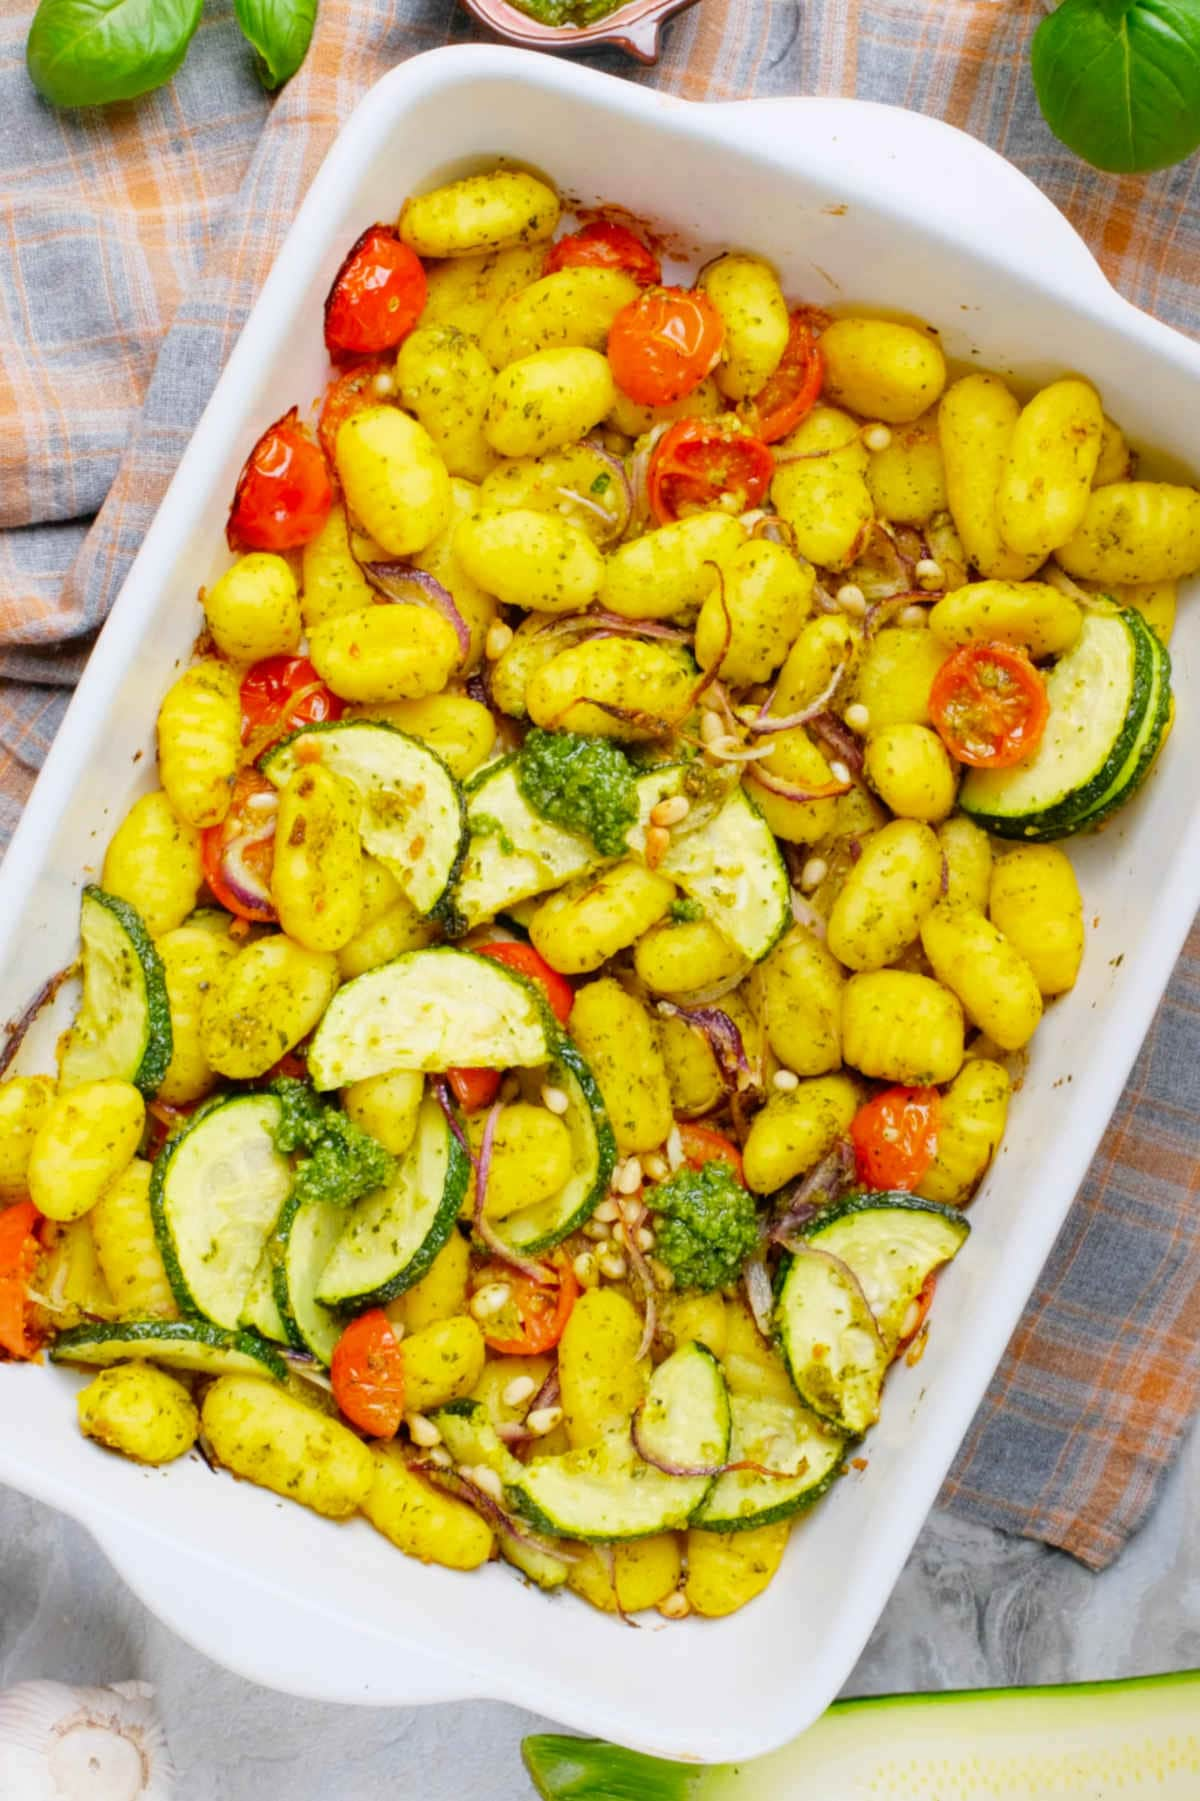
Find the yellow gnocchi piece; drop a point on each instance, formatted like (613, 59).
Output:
(670, 572)
(599, 1371)
(139, 1411)
(386, 1107)
(531, 559)
(316, 877)
(910, 770)
(461, 730)
(1034, 900)
(332, 582)
(1034, 615)
(481, 212)
(444, 378)
(819, 488)
(796, 1129)
(200, 741)
(531, 1159)
(385, 653)
(970, 1127)
(87, 1138)
(465, 291)
(990, 977)
(442, 1362)
(727, 1570)
(1136, 532)
(263, 1002)
(547, 400)
(397, 487)
(1052, 459)
(253, 610)
(634, 420)
(127, 1246)
(907, 478)
(797, 762)
(746, 293)
(902, 1027)
(678, 957)
(613, 687)
(888, 892)
(968, 854)
(192, 958)
(976, 421)
(421, 1519)
(896, 674)
(751, 624)
(24, 1104)
(266, 1436)
(615, 1037)
(590, 920)
(441, 1293)
(1115, 463)
(882, 370)
(153, 861)
(1155, 601)
(572, 308)
(476, 607)
(799, 988)
(641, 1573)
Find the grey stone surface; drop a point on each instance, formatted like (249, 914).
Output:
(973, 1609)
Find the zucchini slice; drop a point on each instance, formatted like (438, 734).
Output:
(780, 1436)
(1149, 742)
(606, 1491)
(892, 1243)
(471, 1439)
(593, 1158)
(123, 1027)
(1101, 694)
(831, 1344)
(413, 817)
(282, 1304)
(216, 1192)
(733, 866)
(391, 1237)
(181, 1344)
(513, 852)
(433, 1010)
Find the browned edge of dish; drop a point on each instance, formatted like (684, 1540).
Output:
(634, 28)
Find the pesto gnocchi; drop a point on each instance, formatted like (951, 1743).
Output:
(606, 841)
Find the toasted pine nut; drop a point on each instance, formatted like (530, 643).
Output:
(839, 772)
(876, 437)
(596, 1230)
(586, 1269)
(631, 1212)
(629, 1176)
(384, 383)
(543, 1420)
(607, 1211)
(675, 1607)
(813, 873)
(670, 811)
(521, 1388)
(440, 1457)
(786, 1080)
(498, 639)
(712, 726)
(913, 616)
(674, 1148)
(423, 1432)
(554, 1100)
(851, 599)
(658, 843)
(929, 573)
(645, 1239)
(857, 717)
(613, 1265)
(663, 1277)
(490, 1299)
(655, 1167)
(487, 1480)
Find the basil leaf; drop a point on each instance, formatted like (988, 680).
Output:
(1119, 80)
(280, 31)
(88, 52)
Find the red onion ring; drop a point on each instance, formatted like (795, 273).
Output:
(789, 790)
(759, 1294)
(806, 915)
(704, 1469)
(840, 739)
(397, 582)
(242, 881)
(724, 1039)
(18, 1028)
(762, 722)
(820, 1187)
(537, 1272)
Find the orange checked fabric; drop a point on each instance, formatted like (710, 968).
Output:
(132, 244)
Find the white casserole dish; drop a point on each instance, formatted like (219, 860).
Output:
(854, 202)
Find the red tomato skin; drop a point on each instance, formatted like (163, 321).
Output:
(703, 1144)
(958, 684)
(267, 687)
(663, 344)
(895, 1137)
(367, 1372)
(526, 961)
(474, 1088)
(376, 297)
(18, 1256)
(215, 838)
(542, 1329)
(605, 245)
(697, 460)
(283, 494)
(348, 393)
(792, 392)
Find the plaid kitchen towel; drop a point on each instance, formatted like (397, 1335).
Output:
(134, 242)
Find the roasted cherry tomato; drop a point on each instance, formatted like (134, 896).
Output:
(918, 1313)
(284, 493)
(348, 393)
(792, 391)
(535, 1315)
(239, 854)
(701, 1145)
(895, 1137)
(603, 245)
(664, 343)
(18, 1257)
(476, 1088)
(368, 1375)
(703, 463)
(989, 705)
(288, 692)
(376, 297)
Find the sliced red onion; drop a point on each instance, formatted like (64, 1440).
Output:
(704, 1469)
(641, 1270)
(244, 883)
(775, 530)
(608, 1557)
(725, 1041)
(477, 687)
(824, 601)
(878, 615)
(639, 474)
(18, 1029)
(624, 487)
(307, 1368)
(840, 739)
(759, 1295)
(441, 1091)
(805, 914)
(549, 1394)
(945, 881)
(652, 724)
(537, 1272)
(790, 791)
(762, 722)
(854, 849)
(416, 587)
(612, 625)
(822, 1185)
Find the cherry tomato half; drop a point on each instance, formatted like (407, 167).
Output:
(476, 1088)
(604, 245)
(702, 463)
(285, 691)
(664, 343)
(18, 1257)
(535, 1315)
(895, 1137)
(284, 493)
(367, 1372)
(239, 854)
(792, 391)
(376, 297)
(348, 393)
(989, 705)
(701, 1145)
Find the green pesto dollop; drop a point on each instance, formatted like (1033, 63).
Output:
(584, 784)
(339, 1161)
(684, 910)
(567, 12)
(706, 1225)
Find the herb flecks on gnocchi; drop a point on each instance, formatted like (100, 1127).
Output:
(614, 807)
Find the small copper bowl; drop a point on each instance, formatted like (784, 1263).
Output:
(634, 27)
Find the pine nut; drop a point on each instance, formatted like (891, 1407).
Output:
(675, 1607)
(554, 1100)
(490, 1299)
(543, 1420)
(674, 1148)
(839, 771)
(498, 639)
(613, 1265)
(712, 726)
(913, 615)
(813, 873)
(440, 1458)
(851, 599)
(586, 1269)
(658, 843)
(618, 1235)
(656, 1167)
(786, 1080)
(629, 1176)
(671, 810)
(929, 573)
(607, 1211)
(645, 1239)
(631, 1212)
(725, 744)
(596, 1230)
(384, 383)
(521, 1388)
(423, 1432)
(857, 717)
(876, 437)
(487, 1480)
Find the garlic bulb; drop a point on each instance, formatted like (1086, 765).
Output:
(83, 1744)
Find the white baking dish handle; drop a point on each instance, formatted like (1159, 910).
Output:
(908, 163)
(281, 1641)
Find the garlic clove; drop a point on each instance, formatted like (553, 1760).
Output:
(83, 1744)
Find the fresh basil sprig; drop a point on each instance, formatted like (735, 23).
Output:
(280, 31)
(88, 52)
(1119, 80)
